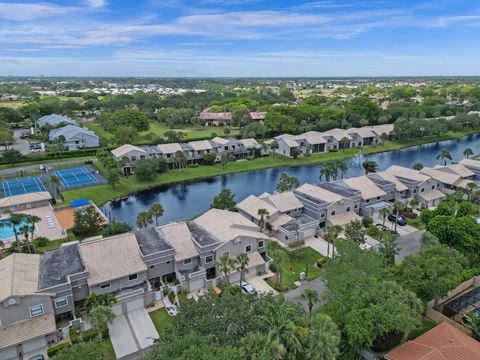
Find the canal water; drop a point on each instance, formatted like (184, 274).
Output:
(187, 200)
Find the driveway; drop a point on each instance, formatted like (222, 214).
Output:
(261, 285)
(319, 245)
(409, 244)
(295, 294)
(131, 333)
(402, 230)
(21, 145)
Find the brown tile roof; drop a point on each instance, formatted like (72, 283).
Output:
(25, 198)
(19, 275)
(179, 237)
(443, 342)
(25, 330)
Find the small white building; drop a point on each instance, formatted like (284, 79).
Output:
(76, 137)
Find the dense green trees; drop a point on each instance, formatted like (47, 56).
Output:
(287, 182)
(87, 222)
(225, 200)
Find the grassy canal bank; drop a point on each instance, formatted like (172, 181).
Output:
(103, 193)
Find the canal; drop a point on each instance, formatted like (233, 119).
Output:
(187, 200)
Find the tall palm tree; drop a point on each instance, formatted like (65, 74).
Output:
(143, 219)
(264, 214)
(467, 152)
(242, 261)
(225, 264)
(274, 146)
(99, 317)
(15, 220)
(156, 210)
(312, 297)
(323, 339)
(397, 205)
(471, 186)
(33, 219)
(342, 166)
(55, 183)
(370, 166)
(331, 235)
(329, 171)
(443, 156)
(414, 202)
(279, 256)
(384, 212)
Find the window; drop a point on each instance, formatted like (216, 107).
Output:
(378, 197)
(187, 261)
(151, 266)
(423, 189)
(355, 207)
(348, 208)
(433, 187)
(261, 244)
(61, 301)
(104, 286)
(248, 248)
(333, 212)
(36, 310)
(367, 201)
(132, 277)
(168, 262)
(322, 215)
(133, 158)
(208, 259)
(226, 253)
(438, 184)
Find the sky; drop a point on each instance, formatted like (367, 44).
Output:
(244, 38)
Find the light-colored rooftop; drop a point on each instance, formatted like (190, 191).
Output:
(250, 143)
(368, 189)
(442, 176)
(458, 169)
(123, 150)
(24, 199)
(407, 173)
(179, 237)
(25, 330)
(337, 134)
(220, 140)
(343, 219)
(431, 195)
(19, 275)
(286, 201)
(111, 258)
(227, 225)
(473, 163)
(200, 145)
(312, 137)
(399, 186)
(363, 132)
(171, 148)
(252, 204)
(319, 193)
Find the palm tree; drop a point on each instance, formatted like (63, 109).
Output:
(242, 261)
(389, 248)
(342, 166)
(264, 214)
(33, 219)
(471, 186)
(384, 212)
(370, 166)
(414, 202)
(323, 339)
(473, 324)
(55, 183)
(279, 256)
(467, 152)
(274, 146)
(156, 210)
(143, 219)
(225, 264)
(397, 205)
(312, 297)
(95, 299)
(344, 143)
(329, 171)
(99, 317)
(417, 166)
(25, 231)
(443, 156)
(15, 220)
(428, 240)
(331, 235)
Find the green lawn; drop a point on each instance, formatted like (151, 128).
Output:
(53, 244)
(9, 104)
(416, 223)
(161, 320)
(303, 259)
(108, 352)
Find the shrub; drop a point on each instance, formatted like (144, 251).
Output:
(171, 296)
(373, 231)
(41, 241)
(367, 221)
(273, 267)
(88, 162)
(73, 336)
(89, 334)
(409, 215)
(295, 244)
(54, 350)
(165, 291)
(321, 261)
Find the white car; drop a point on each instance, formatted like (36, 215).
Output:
(248, 289)
(172, 310)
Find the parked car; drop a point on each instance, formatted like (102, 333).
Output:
(172, 310)
(248, 289)
(398, 219)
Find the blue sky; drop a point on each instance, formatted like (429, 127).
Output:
(240, 38)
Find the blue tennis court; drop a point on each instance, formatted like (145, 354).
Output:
(75, 177)
(22, 186)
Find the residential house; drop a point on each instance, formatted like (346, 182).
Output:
(448, 181)
(363, 136)
(54, 120)
(27, 320)
(75, 137)
(372, 196)
(168, 151)
(132, 154)
(467, 175)
(444, 342)
(198, 150)
(472, 165)
(327, 207)
(394, 188)
(337, 139)
(418, 184)
(225, 118)
(229, 145)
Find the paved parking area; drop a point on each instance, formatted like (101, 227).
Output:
(320, 245)
(132, 332)
(295, 294)
(402, 230)
(261, 285)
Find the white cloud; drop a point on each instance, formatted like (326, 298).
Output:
(96, 3)
(30, 11)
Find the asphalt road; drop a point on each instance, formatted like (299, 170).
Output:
(409, 244)
(295, 294)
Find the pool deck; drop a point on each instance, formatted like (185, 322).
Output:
(48, 226)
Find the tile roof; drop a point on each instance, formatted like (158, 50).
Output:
(171, 148)
(399, 186)
(363, 132)
(443, 342)
(313, 137)
(25, 330)
(179, 237)
(285, 201)
(407, 173)
(338, 134)
(252, 204)
(111, 258)
(123, 150)
(431, 195)
(220, 140)
(24, 198)
(368, 189)
(227, 225)
(200, 145)
(250, 143)
(442, 176)
(19, 275)
(471, 163)
(343, 219)
(319, 193)
(459, 169)
(54, 120)
(71, 131)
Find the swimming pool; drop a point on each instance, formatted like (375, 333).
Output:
(6, 229)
